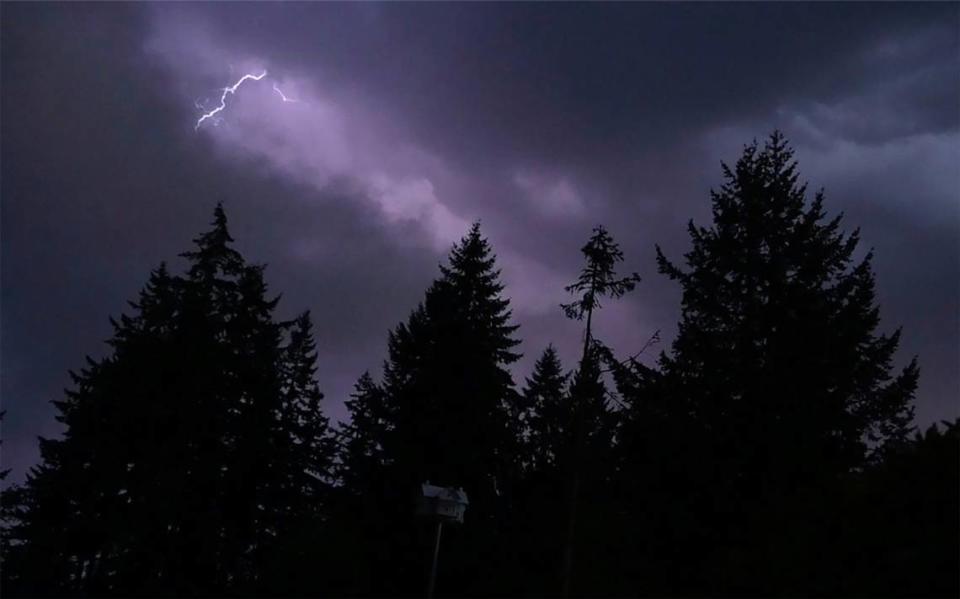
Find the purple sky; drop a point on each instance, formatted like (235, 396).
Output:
(410, 121)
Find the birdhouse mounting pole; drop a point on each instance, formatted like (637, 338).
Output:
(433, 567)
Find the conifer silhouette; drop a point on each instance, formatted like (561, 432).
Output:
(188, 452)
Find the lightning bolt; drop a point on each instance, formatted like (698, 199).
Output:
(285, 99)
(223, 97)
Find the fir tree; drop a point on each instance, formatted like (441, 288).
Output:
(546, 413)
(310, 442)
(187, 451)
(591, 423)
(449, 392)
(537, 507)
(777, 351)
(449, 407)
(301, 500)
(361, 511)
(360, 438)
(778, 382)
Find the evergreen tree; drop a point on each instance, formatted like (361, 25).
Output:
(358, 519)
(449, 392)
(11, 505)
(187, 451)
(310, 443)
(360, 438)
(536, 512)
(777, 350)
(592, 423)
(546, 413)
(305, 449)
(904, 517)
(778, 381)
(449, 418)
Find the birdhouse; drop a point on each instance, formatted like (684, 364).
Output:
(444, 504)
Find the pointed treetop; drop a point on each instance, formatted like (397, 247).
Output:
(772, 295)
(220, 217)
(549, 362)
(219, 232)
(214, 248)
(473, 277)
(303, 322)
(763, 177)
(547, 366)
(471, 255)
(598, 278)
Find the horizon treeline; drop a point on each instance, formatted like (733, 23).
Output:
(770, 450)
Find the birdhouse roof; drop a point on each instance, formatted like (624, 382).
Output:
(446, 493)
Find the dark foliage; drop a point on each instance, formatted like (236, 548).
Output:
(190, 451)
(447, 413)
(546, 415)
(778, 387)
(591, 423)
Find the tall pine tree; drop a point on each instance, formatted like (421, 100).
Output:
(547, 413)
(361, 438)
(187, 452)
(778, 353)
(591, 423)
(358, 518)
(538, 510)
(778, 380)
(449, 391)
(449, 408)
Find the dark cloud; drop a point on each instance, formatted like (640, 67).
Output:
(560, 80)
(540, 120)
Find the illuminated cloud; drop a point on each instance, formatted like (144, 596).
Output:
(316, 140)
(553, 196)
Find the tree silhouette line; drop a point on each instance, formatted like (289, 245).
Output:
(770, 451)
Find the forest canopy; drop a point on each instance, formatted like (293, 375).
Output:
(771, 449)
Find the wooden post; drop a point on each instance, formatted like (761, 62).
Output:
(433, 567)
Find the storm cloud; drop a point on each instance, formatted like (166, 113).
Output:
(411, 121)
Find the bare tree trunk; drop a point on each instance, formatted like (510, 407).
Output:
(570, 541)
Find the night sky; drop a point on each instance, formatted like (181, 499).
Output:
(410, 121)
